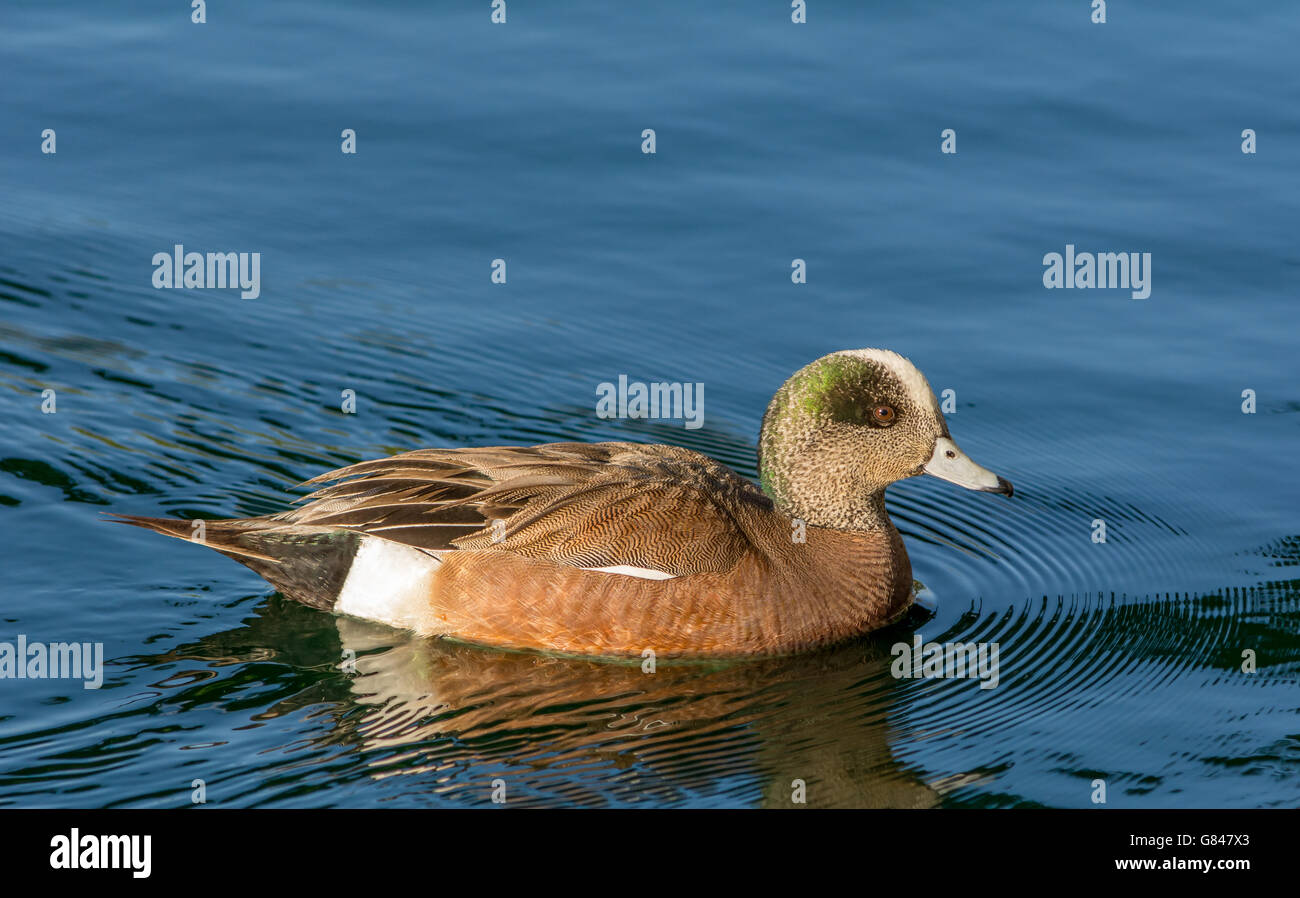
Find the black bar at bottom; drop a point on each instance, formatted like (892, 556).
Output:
(652, 849)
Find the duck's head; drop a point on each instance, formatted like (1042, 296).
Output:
(848, 425)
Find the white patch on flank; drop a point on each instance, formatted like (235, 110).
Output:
(918, 388)
(388, 582)
(628, 570)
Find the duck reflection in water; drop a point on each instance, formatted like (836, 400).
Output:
(456, 718)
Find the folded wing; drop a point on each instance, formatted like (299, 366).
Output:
(598, 505)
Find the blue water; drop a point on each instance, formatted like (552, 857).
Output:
(1121, 661)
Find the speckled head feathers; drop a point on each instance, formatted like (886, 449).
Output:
(843, 428)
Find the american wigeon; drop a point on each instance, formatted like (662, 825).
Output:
(615, 548)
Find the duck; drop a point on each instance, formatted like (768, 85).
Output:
(622, 549)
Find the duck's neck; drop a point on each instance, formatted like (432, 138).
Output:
(812, 479)
(822, 504)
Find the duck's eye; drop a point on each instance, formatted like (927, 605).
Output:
(883, 414)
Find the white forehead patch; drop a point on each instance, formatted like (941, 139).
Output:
(913, 381)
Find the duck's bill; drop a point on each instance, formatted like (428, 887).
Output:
(951, 464)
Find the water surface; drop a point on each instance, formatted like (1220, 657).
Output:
(1119, 660)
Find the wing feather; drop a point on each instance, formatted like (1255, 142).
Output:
(582, 504)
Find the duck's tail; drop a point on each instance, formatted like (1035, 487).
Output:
(307, 564)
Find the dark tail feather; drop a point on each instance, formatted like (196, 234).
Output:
(227, 537)
(307, 564)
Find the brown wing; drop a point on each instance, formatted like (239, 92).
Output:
(581, 504)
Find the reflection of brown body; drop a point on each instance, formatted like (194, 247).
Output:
(539, 721)
(435, 716)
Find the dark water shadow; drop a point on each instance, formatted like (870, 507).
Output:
(456, 718)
